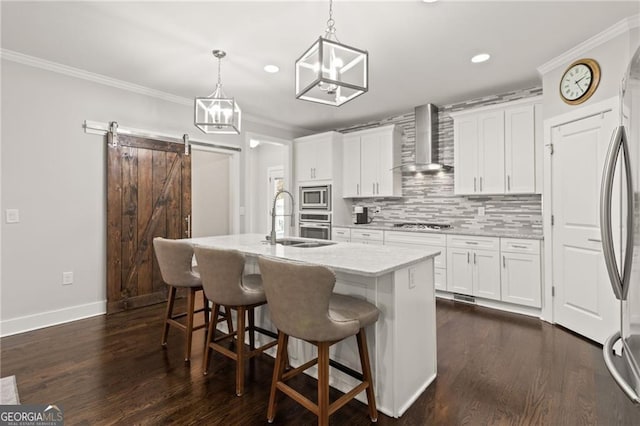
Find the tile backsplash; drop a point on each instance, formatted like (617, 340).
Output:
(430, 197)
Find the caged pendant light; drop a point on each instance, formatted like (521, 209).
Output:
(330, 72)
(217, 113)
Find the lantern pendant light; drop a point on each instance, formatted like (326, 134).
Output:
(330, 72)
(216, 113)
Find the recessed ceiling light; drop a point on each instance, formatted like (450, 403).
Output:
(272, 69)
(429, 1)
(481, 57)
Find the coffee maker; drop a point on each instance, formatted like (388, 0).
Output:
(361, 215)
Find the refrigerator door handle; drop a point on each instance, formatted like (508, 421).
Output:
(605, 212)
(629, 243)
(607, 351)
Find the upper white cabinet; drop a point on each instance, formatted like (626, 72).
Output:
(371, 160)
(314, 155)
(497, 149)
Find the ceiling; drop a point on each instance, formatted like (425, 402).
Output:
(419, 52)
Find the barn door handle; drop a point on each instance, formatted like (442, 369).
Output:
(188, 231)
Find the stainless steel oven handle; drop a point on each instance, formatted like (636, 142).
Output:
(607, 351)
(304, 225)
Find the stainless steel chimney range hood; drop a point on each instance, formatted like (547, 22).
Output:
(426, 146)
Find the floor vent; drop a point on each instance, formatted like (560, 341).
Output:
(464, 298)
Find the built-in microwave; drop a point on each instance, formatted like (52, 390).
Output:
(315, 197)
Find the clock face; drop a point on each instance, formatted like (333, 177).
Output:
(579, 81)
(576, 82)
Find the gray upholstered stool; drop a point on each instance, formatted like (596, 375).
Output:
(302, 305)
(225, 285)
(175, 259)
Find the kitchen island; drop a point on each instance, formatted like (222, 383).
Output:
(399, 281)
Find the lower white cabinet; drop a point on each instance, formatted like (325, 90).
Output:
(473, 266)
(506, 269)
(473, 272)
(459, 271)
(341, 234)
(521, 275)
(368, 236)
(427, 242)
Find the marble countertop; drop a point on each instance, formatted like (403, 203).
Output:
(454, 230)
(352, 258)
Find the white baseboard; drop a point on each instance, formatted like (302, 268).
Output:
(26, 323)
(496, 304)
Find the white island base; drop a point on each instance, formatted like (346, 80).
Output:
(402, 343)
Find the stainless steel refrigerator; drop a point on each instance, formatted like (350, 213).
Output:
(623, 262)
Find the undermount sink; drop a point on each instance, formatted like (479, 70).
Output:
(302, 243)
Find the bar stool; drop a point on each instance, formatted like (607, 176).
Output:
(175, 262)
(224, 284)
(302, 305)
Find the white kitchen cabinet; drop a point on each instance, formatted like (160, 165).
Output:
(314, 156)
(341, 234)
(427, 242)
(497, 149)
(351, 165)
(521, 274)
(367, 236)
(479, 153)
(519, 147)
(486, 278)
(473, 266)
(459, 271)
(371, 160)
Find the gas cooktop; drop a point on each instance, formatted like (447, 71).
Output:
(421, 225)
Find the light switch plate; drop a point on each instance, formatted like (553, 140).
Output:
(67, 278)
(481, 211)
(13, 215)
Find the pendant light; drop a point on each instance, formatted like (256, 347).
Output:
(217, 113)
(330, 72)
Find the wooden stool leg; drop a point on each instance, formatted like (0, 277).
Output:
(240, 351)
(366, 372)
(191, 303)
(278, 370)
(323, 383)
(169, 312)
(210, 335)
(227, 314)
(207, 310)
(252, 327)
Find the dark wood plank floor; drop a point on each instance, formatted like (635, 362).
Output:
(494, 368)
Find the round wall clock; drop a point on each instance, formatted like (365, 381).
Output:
(580, 81)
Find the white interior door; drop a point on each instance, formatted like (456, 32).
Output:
(583, 299)
(210, 192)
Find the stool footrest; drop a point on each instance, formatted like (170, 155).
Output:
(346, 370)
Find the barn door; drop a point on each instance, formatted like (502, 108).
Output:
(148, 195)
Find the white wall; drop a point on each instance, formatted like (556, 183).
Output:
(261, 158)
(55, 174)
(613, 58)
(209, 193)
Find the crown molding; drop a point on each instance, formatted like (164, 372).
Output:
(610, 33)
(33, 61)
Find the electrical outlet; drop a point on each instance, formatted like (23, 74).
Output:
(376, 209)
(13, 215)
(67, 278)
(480, 211)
